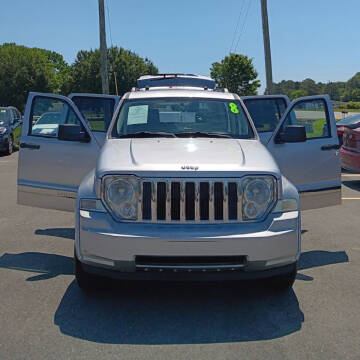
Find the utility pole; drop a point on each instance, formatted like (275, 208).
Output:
(267, 51)
(103, 49)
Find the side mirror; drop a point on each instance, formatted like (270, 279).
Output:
(72, 132)
(291, 134)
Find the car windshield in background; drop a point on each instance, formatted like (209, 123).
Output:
(265, 113)
(4, 115)
(49, 118)
(182, 117)
(97, 111)
(349, 120)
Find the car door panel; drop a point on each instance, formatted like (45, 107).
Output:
(50, 170)
(312, 166)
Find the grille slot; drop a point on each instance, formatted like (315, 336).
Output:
(232, 202)
(218, 201)
(146, 201)
(204, 200)
(161, 201)
(175, 201)
(191, 200)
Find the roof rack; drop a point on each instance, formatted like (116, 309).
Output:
(176, 80)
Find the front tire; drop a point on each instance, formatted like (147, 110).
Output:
(282, 282)
(87, 282)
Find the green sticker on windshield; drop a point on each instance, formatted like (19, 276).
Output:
(233, 108)
(3, 110)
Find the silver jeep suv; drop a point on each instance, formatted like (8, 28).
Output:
(181, 186)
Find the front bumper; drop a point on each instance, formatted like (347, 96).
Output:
(103, 243)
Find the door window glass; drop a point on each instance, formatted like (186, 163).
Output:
(47, 114)
(265, 113)
(313, 115)
(97, 111)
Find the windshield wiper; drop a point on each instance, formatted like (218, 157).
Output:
(147, 134)
(202, 134)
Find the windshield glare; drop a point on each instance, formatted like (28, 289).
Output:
(183, 115)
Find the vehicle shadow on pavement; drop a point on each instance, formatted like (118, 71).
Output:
(178, 313)
(47, 265)
(352, 184)
(171, 313)
(66, 233)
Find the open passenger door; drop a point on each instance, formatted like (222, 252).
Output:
(306, 148)
(57, 149)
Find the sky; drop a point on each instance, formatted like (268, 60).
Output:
(309, 38)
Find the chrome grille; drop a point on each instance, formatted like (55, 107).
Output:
(190, 200)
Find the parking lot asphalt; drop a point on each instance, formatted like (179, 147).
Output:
(44, 315)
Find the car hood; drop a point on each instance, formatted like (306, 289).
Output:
(191, 155)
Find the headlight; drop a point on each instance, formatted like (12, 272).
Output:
(2, 130)
(120, 195)
(259, 195)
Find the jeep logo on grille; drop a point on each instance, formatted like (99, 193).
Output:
(189, 167)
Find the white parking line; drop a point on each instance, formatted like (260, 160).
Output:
(350, 175)
(350, 198)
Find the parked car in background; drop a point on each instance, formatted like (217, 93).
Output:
(10, 128)
(47, 124)
(341, 124)
(350, 151)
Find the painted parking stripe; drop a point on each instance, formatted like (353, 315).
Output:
(358, 198)
(350, 175)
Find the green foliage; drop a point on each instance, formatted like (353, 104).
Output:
(350, 105)
(236, 72)
(339, 90)
(298, 93)
(86, 76)
(24, 69)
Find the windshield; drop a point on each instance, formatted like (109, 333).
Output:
(195, 117)
(4, 116)
(265, 113)
(349, 120)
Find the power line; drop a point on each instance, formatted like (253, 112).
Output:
(243, 24)
(237, 25)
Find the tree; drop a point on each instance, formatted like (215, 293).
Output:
(310, 86)
(24, 69)
(236, 72)
(298, 93)
(128, 66)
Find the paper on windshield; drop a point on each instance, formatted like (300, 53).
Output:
(138, 114)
